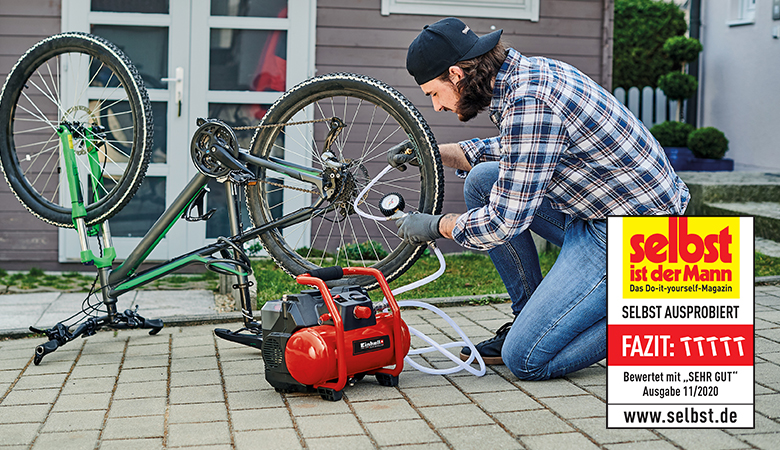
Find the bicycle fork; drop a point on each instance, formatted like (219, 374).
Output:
(79, 211)
(60, 334)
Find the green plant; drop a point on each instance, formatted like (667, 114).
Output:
(3, 273)
(640, 29)
(708, 142)
(307, 252)
(35, 272)
(682, 49)
(369, 250)
(254, 248)
(678, 85)
(766, 265)
(672, 133)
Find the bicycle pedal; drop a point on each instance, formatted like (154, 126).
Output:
(248, 338)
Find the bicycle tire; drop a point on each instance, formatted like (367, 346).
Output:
(106, 90)
(363, 103)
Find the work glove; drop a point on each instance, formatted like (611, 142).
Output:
(402, 154)
(418, 228)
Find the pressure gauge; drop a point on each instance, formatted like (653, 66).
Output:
(391, 203)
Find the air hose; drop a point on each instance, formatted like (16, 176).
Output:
(433, 345)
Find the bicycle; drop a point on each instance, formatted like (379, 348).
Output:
(322, 140)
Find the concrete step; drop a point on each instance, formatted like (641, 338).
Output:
(739, 194)
(767, 247)
(729, 187)
(766, 215)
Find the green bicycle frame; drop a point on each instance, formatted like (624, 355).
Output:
(126, 277)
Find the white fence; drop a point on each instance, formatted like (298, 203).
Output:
(650, 106)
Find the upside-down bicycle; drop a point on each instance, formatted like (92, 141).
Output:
(323, 140)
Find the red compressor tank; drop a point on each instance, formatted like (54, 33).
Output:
(312, 356)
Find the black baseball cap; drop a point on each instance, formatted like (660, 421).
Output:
(442, 44)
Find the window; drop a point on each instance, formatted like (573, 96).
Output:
(504, 9)
(742, 12)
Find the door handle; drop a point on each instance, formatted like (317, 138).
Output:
(178, 88)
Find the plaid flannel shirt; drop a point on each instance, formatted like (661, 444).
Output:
(565, 137)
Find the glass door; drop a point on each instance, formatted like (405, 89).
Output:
(225, 59)
(245, 54)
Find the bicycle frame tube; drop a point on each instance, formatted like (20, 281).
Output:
(160, 228)
(305, 174)
(124, 278)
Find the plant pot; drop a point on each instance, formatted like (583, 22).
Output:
(680, 157)
(710, 165)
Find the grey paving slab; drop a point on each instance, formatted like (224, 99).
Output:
(402, 432)
(329, 425)
(384, 410)
(260, 419)
(72, 440)
(134, 427)
(19, 311)
(340, 442)
(198, 434)
(173, 303)
(455, 416)
(137, 407)
(703, 439)
(480, 437)
(539, 421)
(559, 441)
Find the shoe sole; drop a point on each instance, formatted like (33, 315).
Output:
(489, 360)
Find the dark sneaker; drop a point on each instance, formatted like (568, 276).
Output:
(490, 350)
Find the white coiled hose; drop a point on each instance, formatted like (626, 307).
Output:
(434, 346)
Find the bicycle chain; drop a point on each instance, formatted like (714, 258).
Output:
(279, 125)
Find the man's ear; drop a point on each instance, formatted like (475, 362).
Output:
(456, 74)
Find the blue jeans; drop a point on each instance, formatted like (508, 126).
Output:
(560, 323)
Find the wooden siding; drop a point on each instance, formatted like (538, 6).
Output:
(25, 241)
(353, 36)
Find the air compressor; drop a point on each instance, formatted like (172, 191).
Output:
(322, 339)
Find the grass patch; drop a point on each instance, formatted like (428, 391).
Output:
(766, 265)
(466, 274)
(272, 282)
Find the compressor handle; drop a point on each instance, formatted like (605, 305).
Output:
(328, 273)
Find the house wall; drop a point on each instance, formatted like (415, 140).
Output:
(739, 84)
(25, 241)
(353, 36)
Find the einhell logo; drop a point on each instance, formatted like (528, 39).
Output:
(370, 345)
(681, 257)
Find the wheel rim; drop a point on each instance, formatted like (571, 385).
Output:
(342, 236)
(96, 95)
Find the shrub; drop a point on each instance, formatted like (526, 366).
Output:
(682, 49)
(367, 250)
(672, 133)
(641, 28)
(677, 85)
(708, 142)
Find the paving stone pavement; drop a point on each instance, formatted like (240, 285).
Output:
(186, 388)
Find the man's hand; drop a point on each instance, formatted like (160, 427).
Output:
(402, 154)
(418, 228)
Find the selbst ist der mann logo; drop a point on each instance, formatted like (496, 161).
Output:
(681, 257)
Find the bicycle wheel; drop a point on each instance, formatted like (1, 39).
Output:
(88, 83)
(376, 117)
